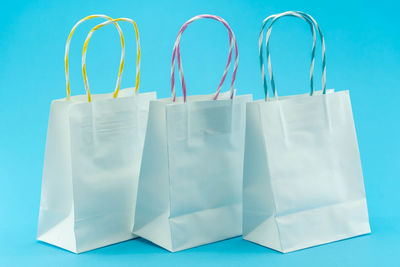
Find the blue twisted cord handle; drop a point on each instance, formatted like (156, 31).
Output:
(312, 24)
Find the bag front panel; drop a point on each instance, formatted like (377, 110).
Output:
(205, 153)
(312, 152)
(106, 146)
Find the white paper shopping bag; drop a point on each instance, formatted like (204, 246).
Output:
(190, 185)
(92, 161)
(303, 183)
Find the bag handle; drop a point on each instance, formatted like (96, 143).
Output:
(68, 45)
(85, 45)
(313, 25)
(176, 51)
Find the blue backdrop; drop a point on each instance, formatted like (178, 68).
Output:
(363, 55)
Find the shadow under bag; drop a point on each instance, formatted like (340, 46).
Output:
(303, 182)
(190, 185)
(91, 167)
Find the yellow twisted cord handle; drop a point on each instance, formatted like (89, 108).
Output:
(85, 46)
(69, 41)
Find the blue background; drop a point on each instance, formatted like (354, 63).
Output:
(363, 55)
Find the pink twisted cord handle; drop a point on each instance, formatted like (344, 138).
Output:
(176, 51)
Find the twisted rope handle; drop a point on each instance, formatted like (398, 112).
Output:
(312, 23)
(68, 45)
(323, 80)
(176, 51)
(122, 57)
